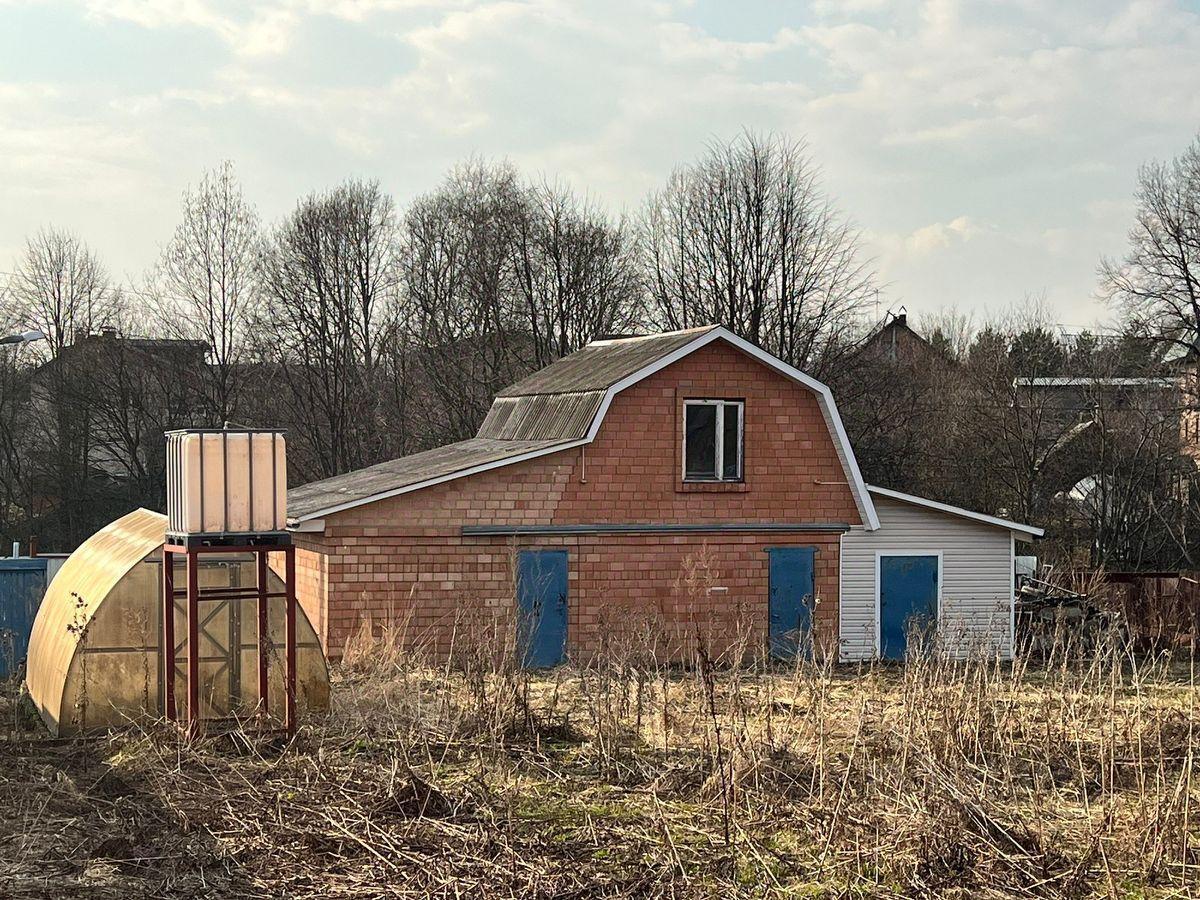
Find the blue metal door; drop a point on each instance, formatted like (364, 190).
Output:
(791, 598)
(22, 586)
(908, 601)
(542, 607)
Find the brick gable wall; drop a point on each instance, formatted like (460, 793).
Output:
(406, 557)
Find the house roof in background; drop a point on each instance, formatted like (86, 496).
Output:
(1089, 381)
(408, 473)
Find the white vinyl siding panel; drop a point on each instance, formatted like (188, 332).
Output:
(976, 578)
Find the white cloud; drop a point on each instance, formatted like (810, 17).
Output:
(249, 29)
(930, 117)
(941, 235)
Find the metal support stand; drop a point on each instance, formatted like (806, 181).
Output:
(260, 594)
(168, 634)
(193, 655)
(264, 634)
(289, 718)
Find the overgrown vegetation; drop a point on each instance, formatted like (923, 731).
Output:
(624, 778)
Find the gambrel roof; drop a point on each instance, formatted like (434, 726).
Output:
(556, 408)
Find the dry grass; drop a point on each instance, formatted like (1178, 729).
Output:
(473, 779)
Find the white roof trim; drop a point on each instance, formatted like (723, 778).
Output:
(704, 337)
(309, 525)
(958, 511)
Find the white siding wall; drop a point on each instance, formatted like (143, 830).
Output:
(976, 577)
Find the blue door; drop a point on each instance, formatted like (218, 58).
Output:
(908, 601)
(791, 598)
(22, 586)
(542, 607)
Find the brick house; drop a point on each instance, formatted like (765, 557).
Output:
(591, 490)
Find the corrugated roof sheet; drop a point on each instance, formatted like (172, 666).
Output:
(553, 406)
(541, 417)
(601, 364)
(400, 473)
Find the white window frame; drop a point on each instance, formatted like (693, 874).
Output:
(719, 440)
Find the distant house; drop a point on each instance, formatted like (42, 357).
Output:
(115, 394)
(685, 484)
(895, 341)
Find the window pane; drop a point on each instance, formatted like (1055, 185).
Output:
(733, 447)
(701, 442)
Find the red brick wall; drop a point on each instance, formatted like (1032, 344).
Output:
(406, 557)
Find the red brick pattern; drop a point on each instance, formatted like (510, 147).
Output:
(406, 557)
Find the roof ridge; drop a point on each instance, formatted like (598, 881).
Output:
(600, 342)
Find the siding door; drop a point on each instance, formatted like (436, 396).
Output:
(22, 586)
(908, 600)
(790, 608)
(542, 607)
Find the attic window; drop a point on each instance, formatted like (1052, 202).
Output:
(712, 440)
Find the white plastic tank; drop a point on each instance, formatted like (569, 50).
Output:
(226, 482)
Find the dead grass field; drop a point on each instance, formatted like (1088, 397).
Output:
(957, 779)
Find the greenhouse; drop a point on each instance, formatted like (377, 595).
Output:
(95, 655)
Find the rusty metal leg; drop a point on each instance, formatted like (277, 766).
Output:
(289, 557)
(264, 634)
(168, 634)
(193, 650)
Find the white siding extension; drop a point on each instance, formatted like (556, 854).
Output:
(976, 577)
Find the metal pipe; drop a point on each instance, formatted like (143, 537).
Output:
(289, 720)
(193, 654)
(264, 636)
(168, 630)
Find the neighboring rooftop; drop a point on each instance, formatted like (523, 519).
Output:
(895, 340)
(1093, 381)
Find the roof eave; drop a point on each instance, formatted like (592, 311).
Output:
(984, 518)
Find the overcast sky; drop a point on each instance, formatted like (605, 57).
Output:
(988, 150)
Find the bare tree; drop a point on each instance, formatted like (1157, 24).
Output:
(457, 266)
(576, 272)
(206, 279)
(1157, 285)
(61, 287)
(329, 280)
(746, 238)
(503, 278)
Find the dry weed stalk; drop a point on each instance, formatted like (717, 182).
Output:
(447, 771)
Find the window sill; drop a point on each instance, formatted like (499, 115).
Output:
(716, 487)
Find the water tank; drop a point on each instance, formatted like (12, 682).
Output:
(226, 482)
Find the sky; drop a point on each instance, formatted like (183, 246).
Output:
(988, 151)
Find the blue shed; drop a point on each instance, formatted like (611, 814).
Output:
(22, 586)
